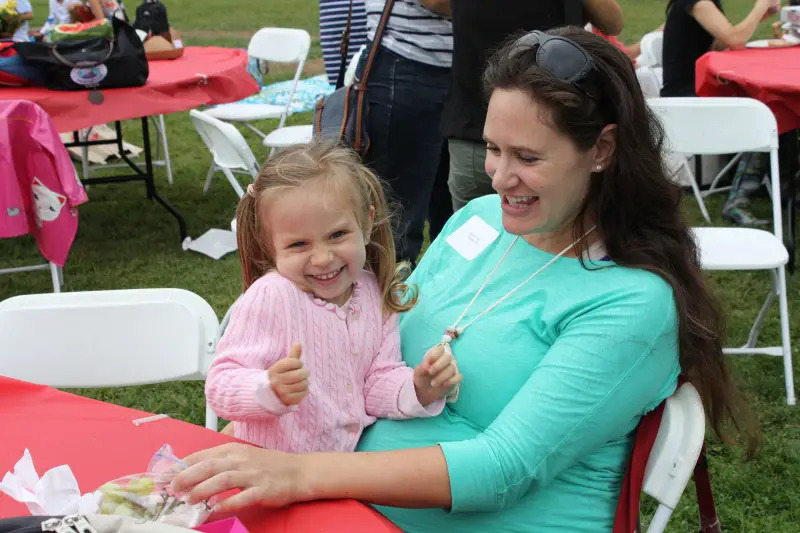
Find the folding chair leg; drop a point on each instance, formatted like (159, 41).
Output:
(211, 170)
(713, 188)
(212, 421)
(254, 130)
(752, 339)
(783, 306)
(696, 191)
(162, 132)
(57, 277)
(234, 182)
(85, 154)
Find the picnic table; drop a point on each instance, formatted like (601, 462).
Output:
(202, 76)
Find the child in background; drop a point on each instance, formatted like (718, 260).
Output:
(311, 355)
(25, 11)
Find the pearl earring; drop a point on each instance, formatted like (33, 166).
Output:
(599, 168)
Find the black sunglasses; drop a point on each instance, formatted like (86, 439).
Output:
(563, 58)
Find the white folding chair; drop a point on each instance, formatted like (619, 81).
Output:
(278, 45)
(675, 453)
(725, 126)
(650, 81)
(229, 150)
(651, 45)
(108, 338)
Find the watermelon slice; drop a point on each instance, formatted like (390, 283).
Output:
(82, 30)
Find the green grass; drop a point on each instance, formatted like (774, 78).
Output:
(124, 241)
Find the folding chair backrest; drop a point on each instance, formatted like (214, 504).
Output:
(282, 45)
(675, 452)
(226, 144)
(717, 125)
(107, 338)
(652, 45)
(722, 126)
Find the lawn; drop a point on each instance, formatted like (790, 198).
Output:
(125, 241)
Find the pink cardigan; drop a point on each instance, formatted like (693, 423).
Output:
(353, 355)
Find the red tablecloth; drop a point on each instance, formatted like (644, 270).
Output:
(769, 75)
(201, 76)
(99, 443)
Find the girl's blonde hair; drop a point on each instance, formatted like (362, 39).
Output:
(337, 165)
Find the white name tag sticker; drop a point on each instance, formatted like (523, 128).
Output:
(472, 238)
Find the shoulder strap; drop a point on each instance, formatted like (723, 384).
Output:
(344, 47)
(627, 516)
(376, 42)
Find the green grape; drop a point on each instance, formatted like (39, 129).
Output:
(125, 509)
(142, 486)
(112, 493)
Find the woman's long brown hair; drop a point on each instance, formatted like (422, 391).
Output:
(634, 203)
(341, 171)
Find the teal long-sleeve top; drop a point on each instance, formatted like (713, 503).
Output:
(556, 379)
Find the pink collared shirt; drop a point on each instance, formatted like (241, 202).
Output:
(352, 353)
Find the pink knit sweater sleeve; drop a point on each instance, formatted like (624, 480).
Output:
(389, 389)
(237, 385)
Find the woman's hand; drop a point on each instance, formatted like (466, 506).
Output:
(436, 375)
(264, 477)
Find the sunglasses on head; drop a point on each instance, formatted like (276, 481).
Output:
(563, 58)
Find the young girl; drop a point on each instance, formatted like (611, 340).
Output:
(311, 355)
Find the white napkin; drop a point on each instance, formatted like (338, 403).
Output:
(55, 493)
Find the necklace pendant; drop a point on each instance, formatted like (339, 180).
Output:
(450, 334)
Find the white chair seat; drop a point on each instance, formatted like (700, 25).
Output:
(289, 136)
(739, 249)
(244, 112)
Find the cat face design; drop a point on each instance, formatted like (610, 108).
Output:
(47, 204)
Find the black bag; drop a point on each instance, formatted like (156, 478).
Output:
(151, 17)
(342, 115)
(97, 63)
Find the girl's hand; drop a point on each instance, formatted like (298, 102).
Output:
(264, 477)
(772, 7)
(289, 378)
(436, 375)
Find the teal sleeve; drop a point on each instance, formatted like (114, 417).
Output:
(607, 367)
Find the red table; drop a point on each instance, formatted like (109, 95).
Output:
(772, 76)
(99, 443)
(202, 76)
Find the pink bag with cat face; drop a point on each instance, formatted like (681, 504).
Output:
(39, 188)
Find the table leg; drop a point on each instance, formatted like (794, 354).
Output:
(151, 186)
(145, 175)
(792, 174)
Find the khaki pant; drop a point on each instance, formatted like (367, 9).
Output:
(467, 179)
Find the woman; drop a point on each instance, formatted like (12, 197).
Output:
(561, 356)
(479, 28)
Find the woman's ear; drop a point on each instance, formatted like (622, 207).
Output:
(605, 147)
(368, 229)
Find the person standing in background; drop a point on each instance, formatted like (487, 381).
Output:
(333, 16)
(406, 91)
(25, 11)
(479, 27)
